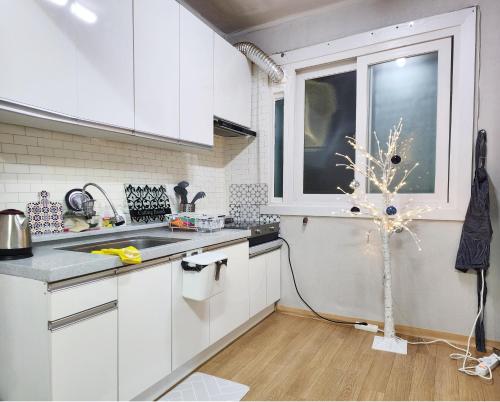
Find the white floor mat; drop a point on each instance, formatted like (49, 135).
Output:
(204, 387)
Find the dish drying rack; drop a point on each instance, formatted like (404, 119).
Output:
(193, 222)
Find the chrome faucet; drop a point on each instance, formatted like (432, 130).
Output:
(117, 220)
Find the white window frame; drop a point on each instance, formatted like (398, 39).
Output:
(459, 25)
(443, 48)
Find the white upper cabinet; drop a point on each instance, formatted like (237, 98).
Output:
(156, 58)
(196, 80)
(232, 83)
(104, 43)
(38, 64)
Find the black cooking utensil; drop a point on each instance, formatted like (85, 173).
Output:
(199, 194)
(181, 192)
(183, 184)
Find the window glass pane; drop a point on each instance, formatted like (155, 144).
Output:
(279, 106)
(329, 116)
(407, 88)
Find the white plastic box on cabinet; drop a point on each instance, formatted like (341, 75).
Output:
(38, 56)
(105, 71)
(230, 309)
(232, 83)
(196, 80)
(156, 64)
(144, 327)
(190, 322)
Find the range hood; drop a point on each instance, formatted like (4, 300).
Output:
(226, 128)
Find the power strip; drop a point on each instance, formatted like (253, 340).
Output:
(367, 327)
(490, 361)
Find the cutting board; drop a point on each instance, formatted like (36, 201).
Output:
(45, 216)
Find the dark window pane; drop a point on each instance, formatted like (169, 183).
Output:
(279, 106)
(407, 88)
(329, 116)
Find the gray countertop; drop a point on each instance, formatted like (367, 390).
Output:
(49, 264)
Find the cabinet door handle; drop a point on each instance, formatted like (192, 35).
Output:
(82, 315)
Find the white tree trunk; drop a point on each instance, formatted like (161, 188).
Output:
(389, 331)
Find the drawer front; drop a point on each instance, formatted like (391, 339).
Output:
(72, 300)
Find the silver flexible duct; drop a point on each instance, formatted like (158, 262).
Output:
(262, 60)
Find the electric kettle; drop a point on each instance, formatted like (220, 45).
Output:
(15, 235)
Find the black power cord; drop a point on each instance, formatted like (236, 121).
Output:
(306, 303)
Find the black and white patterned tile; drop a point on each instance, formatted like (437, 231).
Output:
(246, 200)
(268, 218)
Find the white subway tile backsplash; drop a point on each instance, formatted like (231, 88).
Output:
(16, 187)
(12, 129)
(28, 159)
(32, 160)
(36, 132)
(14, 149)
(8, 158)
(25, 140)
(16, 168)
(6, 138)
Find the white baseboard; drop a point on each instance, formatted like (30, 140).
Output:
(177, 375)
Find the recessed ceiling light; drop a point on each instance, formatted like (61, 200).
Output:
(83, 13)
(401, 62)
(61, 3)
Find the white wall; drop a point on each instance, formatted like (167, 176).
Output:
(336, 269)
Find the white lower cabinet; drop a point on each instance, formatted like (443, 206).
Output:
(258, 284)
(264, 280)
(144, 325)
(273, 265)
(231, 308)
(190, 322)
(115, 338)
(84, 359)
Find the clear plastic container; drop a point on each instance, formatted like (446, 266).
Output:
(209, 223)
(198, 222)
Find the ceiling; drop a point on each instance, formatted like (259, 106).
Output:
(236, 15)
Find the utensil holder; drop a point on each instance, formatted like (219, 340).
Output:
(187, 207)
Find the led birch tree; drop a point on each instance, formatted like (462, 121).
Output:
(384, 172)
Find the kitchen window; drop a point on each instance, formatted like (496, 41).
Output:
(412, 78)
(326, 107)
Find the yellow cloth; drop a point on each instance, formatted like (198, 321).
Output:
(128, 255)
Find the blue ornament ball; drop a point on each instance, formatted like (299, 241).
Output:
(391, 210)
(396, 159)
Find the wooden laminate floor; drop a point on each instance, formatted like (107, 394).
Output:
(294, 358)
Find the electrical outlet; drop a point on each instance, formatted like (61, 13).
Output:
(490, 361)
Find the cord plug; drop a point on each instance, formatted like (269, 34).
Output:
(367, 327)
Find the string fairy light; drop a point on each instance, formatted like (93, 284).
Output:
(382, 169)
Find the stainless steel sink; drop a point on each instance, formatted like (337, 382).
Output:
(140, 242)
